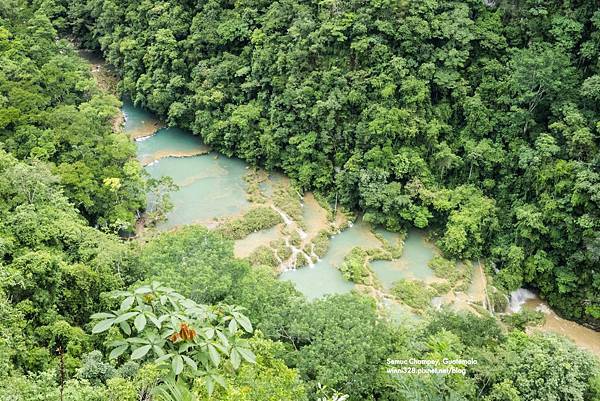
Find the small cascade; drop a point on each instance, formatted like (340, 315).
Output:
(437, 302)
(518, 298)
(286, 219)
(279, 260)
(313, 255)
(308, 259)
(293, 260)
(143, 138)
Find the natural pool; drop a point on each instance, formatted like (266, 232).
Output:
(139, 122)
(212, 187)
(413, 264)
(169, 142)
(323, 278)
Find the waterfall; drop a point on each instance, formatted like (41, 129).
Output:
(286, 219)
(518, 298)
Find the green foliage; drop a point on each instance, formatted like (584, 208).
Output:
(524, 318)
(199, 264)
(477, 120)
(473, 331)
(269, 379)
(498, 299)
(158, 323)
(561, 370)
(94, 369)
(321, 243)
(263, 256)
(45, 240)
(253, 220)
(174, 390)
(450, 270)
(160, 203)
(345, 326)
(414, 293)
(270, 304)
(286, 198)
(354, 267)
(52, 111)
(12, 340)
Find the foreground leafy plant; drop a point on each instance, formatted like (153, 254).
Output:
(160, 324)
(172, 390)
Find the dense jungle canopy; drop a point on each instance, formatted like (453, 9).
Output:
(477, 120)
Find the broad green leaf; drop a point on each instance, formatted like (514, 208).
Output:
(137, 340)
(210, 385)
(232, 326)
(247, 354)
(143, 290)
(102, 315)
(235, 359)
(223, 339)
(117, 352)
(220, 380)
(244, 322)
(221, 347)
(125, 316)
(140, 322)
(140, 352)
(190, 362)
(157, 322)
(125, 327)
(103, 326)
(158, 350)
(163, 358)
(177, 364)
(127, 302)
(184, 347)
(213, 354)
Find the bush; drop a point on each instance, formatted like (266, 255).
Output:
(263, 255)
(287, 199)
(94, 369)
(498, 299)
(354, 267)
(321, 243)
(524, 318)
(414, 293)
(256, 219)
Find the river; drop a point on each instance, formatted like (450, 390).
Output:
(213, 187)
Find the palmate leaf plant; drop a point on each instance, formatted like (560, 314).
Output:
(158, 324)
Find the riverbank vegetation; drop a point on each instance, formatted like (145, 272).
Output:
(52, 112)
(256, 219)
(82, 317)
(476, 119)
(414, 293)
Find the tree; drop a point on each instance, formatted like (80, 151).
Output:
(195, 340)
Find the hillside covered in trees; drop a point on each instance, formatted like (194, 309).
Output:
(477, 120)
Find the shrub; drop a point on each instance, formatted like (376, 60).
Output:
(414, 293)
(256, 219)
(354, 267)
